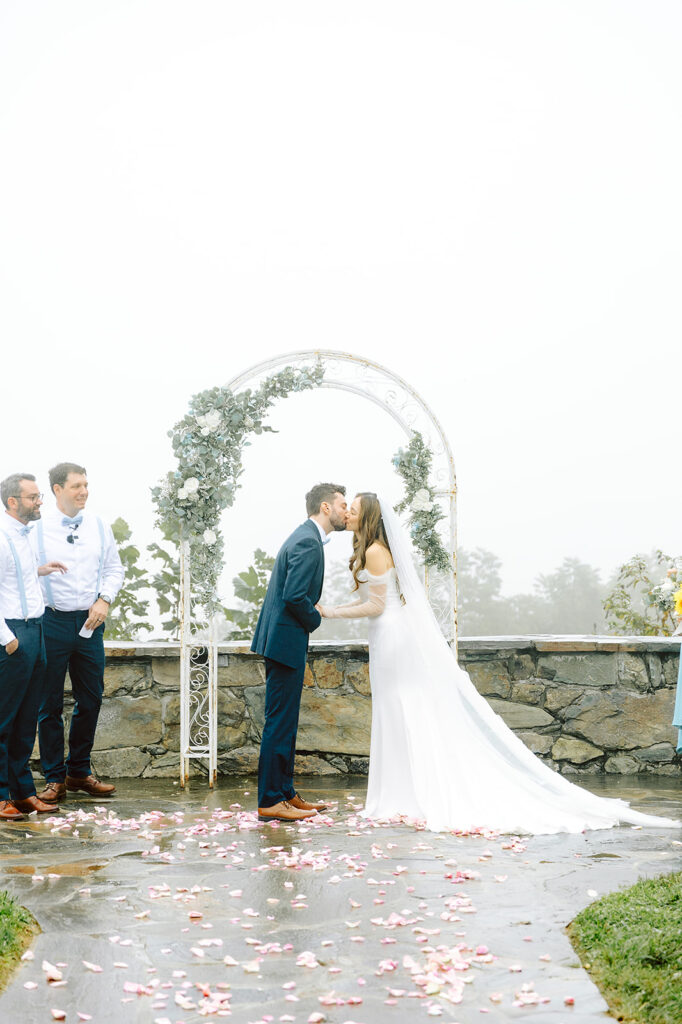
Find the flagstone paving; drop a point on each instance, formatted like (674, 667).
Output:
(173, 907)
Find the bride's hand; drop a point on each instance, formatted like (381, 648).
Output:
(322, 610)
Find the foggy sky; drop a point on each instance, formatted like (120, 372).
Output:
(483, 197)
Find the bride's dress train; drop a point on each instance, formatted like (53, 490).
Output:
(439, 754)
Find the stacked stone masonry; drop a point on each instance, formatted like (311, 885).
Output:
(585, 705)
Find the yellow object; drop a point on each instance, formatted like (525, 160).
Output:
(678, 602)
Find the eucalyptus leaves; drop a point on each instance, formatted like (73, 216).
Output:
(209, 443)
(413, 463)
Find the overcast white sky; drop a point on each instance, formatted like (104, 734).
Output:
(484, 196)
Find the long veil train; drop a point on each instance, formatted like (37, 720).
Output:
(439, 753)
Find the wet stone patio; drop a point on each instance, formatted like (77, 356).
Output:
(171, 906)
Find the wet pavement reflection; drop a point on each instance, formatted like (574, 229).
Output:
(173, 906)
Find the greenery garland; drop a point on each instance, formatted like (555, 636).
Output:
(413, 463)
(209, 443)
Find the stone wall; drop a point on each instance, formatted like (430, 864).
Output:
(584, 704)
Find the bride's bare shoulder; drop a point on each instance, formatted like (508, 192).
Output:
(378, 559)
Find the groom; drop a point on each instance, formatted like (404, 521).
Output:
(286, 619)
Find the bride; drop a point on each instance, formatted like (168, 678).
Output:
(439, 753)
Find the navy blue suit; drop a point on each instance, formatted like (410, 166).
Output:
(287, 618)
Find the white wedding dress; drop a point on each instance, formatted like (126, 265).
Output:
(439, 754)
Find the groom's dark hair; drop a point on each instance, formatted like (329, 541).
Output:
(319, 493)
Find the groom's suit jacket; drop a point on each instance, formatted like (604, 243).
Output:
(288, 614)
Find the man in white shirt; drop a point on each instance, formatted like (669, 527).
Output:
(22, 650)
(77, 604)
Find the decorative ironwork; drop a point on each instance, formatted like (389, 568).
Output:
(198, 680)
(199, 647)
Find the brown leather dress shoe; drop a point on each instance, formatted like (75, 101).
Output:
(34, 803)
(8, 812)
(53, 793)
(283, 811)
(303, 805)
(89, 784)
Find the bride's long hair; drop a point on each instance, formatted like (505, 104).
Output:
(370, 531)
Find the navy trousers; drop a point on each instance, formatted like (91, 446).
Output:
(283, 687)
(21, 678)
(84, 658)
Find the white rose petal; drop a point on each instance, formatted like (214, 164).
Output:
(209, 537)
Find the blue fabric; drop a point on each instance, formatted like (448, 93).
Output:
(24, 531)
(84, 659)
(72, 521)
(20, 575)
(43, 559)
(677, 714)
(102, 547)
(278, 743)
(288, 614)
(21, 679)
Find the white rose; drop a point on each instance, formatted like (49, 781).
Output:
(191, 485)
(667, 587)
(182, 493)
(209, 421)
(209, 537)
(248, 422)
(421, 501)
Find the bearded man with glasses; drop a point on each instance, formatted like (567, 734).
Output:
(22, 647)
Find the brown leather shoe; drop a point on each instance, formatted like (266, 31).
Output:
(8, 812)
(283, 811)
(53, 793)
(34, 803)
(89, 784)
(303, 805)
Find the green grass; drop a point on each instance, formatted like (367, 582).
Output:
(17, 928)
(631, 943)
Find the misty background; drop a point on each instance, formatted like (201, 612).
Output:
(482, 197)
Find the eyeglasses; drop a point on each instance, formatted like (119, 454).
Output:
(33, 498)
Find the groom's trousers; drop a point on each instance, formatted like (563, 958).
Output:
(283, 686)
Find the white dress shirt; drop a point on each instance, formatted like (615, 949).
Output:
(323, 536)
(10, 593)
(77, 589)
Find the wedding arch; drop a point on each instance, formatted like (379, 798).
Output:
(208, 443)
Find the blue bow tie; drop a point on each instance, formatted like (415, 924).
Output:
(76, 521)
(25, 530)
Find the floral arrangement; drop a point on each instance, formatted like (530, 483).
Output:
(413, 463)
(208, 443)
(668, 595)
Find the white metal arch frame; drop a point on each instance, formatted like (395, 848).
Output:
(345, 372)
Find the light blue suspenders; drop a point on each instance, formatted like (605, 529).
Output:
(43, 559)
(101, 555)
(20, 577)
